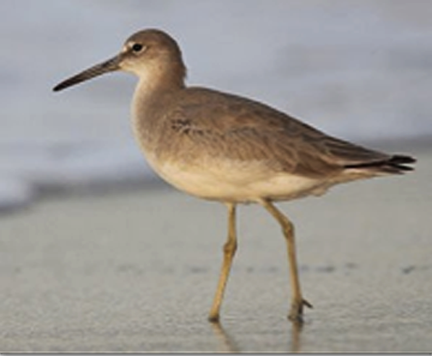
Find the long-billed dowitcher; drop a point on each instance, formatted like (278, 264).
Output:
(231, 149)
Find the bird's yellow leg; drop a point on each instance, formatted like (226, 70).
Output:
(229, 250)
(298, 302)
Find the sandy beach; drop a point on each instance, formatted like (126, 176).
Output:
(136, 271)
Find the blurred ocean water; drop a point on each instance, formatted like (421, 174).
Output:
(359, 69)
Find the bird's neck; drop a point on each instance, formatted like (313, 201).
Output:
(152, 94)
(157, 79)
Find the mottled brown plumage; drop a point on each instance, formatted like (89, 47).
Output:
(232, 149)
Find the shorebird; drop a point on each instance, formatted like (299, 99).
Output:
(231, 149)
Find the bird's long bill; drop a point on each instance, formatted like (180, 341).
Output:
(95, 71)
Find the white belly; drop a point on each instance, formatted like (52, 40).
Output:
(235, 181)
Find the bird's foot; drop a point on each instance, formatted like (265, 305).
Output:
(296, 312)
(213, 317)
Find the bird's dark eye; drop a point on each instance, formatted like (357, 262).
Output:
(137, 47)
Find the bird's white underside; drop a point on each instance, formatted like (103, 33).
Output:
(236, 181)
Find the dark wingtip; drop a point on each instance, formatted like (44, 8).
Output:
(399, 162)
(399, 159)
(395, 164)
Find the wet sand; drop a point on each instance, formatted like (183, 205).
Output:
(137, 271)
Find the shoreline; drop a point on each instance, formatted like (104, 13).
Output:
(43, 192)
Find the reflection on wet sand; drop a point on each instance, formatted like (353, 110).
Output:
(225, 340)
(296, 330)
(228, 344)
